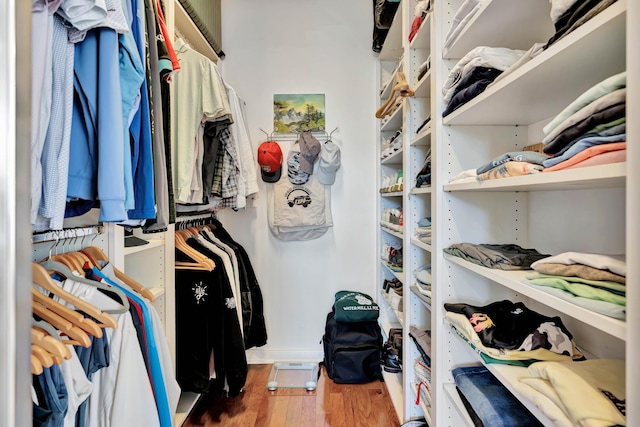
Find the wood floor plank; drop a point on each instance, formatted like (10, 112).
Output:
(330, 405)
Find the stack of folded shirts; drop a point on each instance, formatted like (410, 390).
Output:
(509, 333)
(424, 67)
(423, 231)
(462, 17)
(591, 130)
(513, 163)
(422, 340)
(423, 178)
(582, 393)
(567, 15)
(420, 12)
(423, 281)
(488, 402)
(501, 256)
(593, 281)
(474, 72)
(422, 376)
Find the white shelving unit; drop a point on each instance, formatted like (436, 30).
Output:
(586, 209)
(508, 116)
(398, 54)
(534, 92)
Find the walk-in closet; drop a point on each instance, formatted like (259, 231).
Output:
(199, 197)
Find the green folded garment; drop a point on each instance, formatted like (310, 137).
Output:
(592, 289)
(352, 306)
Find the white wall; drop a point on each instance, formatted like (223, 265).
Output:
(314, 46)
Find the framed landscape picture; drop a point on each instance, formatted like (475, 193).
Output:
(294, 113)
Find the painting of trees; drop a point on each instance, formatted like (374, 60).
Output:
(294, 113)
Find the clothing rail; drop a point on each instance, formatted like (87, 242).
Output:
(322, 136)
(67, 233)
(186, 221)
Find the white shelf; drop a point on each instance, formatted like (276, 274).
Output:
(423, 88)
(393, 159)
(456, 401)
(392, 194)
(391, 226)
(422, 39)
(423, 138)
(396, 312)
(515, 280)
(536, 90)
(153, 243)
(398, 274)
(392, 48)
(421, 190)
(186, 403)
(393, 122)
(421, 245)
(386, 325)
(504, 23)
(394, 387)
(157, 292)
(192, 34)
(393, 233)
(426, 410)
(509, 375)
(603, 176)
(386, 91)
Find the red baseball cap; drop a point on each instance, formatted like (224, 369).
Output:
(270, 161)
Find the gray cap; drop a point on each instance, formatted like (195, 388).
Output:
(329, 163)
(309, 150)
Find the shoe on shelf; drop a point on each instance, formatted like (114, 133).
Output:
(391, 363)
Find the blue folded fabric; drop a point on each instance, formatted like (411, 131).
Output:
(492, 402)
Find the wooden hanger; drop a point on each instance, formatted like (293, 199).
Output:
(74, 317)
(49, 342)
(42, 279)
(36, 366)
(68, 261)
(42, 355)
(79, 337)
(66, 272)
(96, 255)
(201, 262)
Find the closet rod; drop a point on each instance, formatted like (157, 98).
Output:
(66, 233)
(185, 218)
(273, 136)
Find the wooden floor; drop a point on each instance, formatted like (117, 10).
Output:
(334, 405)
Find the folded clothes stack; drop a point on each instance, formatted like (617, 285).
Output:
(474, 72)
(501, 256)
(593, 281)
(591, 130)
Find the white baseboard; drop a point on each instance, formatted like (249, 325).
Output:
(257, 356)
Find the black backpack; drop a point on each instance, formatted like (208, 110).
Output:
(352, 350)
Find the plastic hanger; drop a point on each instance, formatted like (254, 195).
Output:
(79, 337)
(96, 255)
(74, 317)
(68, 273)
(44, 335)
(42, 278)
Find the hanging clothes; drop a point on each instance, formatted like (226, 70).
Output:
(205, 298)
